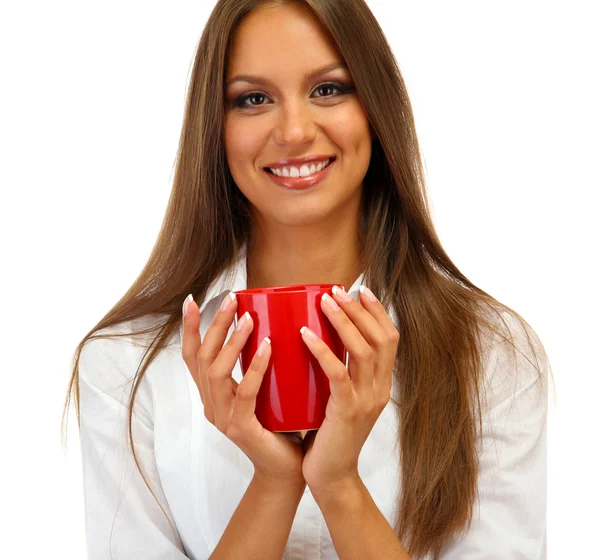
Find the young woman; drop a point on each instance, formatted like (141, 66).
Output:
(299, 163)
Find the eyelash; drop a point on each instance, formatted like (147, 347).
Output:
(240, 101)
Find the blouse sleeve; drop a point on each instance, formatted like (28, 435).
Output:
(510, 515)
(122, 518)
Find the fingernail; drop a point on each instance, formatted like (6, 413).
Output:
(242, 322)
(344, 296)
(186, 302)
(308, 333)
(229, 299)
(331, 302)
(263, 346)
(368, 293)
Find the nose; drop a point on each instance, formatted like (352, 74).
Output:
(295, 125)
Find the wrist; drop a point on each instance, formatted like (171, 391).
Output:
(272, 485)
(339, 493)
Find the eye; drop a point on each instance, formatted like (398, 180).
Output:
(330, 86)
(240, 101)
(257, 96)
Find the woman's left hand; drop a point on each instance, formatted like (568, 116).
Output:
(358, 394)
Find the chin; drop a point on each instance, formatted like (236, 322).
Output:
(300, 217)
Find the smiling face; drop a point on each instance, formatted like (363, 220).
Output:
(291, 112)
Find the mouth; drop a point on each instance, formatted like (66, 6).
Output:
(302, 177)
(300, 171)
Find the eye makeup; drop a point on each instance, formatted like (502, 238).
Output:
(240, 102)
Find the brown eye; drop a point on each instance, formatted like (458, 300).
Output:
(329, 90)
(327, 87)
(241, 101)
(255, 96)
(333, 90)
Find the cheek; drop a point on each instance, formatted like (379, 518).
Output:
(242, 146)
(242, 142)
(350, 131)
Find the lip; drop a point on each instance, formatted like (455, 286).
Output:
(298, 161)
(301, 183)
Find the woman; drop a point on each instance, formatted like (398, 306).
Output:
(434, 439)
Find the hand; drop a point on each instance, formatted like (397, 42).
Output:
(229, 406)
(358, 394)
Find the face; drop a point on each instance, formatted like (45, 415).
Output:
(288, 113)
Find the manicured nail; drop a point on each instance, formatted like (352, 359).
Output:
(263, 346)
(331, 302)
(229, 299)
(344, 296)
(308, 333)
(368, 293)
(186, 302)
(242, 322)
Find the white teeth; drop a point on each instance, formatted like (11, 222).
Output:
(303, 171)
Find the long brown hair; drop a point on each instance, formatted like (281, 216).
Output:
(439, 361)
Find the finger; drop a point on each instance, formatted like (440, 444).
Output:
(190, 343)
(376, 326)
(244, 407)
(361, 355)
(217, 331)
(376, 309)
(190, 347)
(362, 317)
(384, 369)
(219, 372)
(339, 381)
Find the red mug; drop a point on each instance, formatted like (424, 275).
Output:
(294, 391)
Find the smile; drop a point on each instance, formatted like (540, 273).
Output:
(302, 171)
(300, 178)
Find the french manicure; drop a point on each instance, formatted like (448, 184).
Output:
(343, 295)
(331, 302)
(227, 301)
(368, 293)
(263, 346)
(308, 333)
(242, 322)
(186, 302)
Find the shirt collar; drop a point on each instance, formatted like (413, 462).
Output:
(232, 279)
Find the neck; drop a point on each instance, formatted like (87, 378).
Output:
(300, 255)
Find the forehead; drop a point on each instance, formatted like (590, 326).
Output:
(272, 38)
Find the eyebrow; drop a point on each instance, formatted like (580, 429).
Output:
(310, 76)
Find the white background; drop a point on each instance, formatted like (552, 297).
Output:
(505, 97)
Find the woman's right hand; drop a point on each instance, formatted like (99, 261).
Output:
(230, 406)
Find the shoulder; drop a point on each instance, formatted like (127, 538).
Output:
(509, 517)
(123, 344)
(514, 359)
(112, 358)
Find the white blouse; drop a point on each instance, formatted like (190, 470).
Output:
(200, 476)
